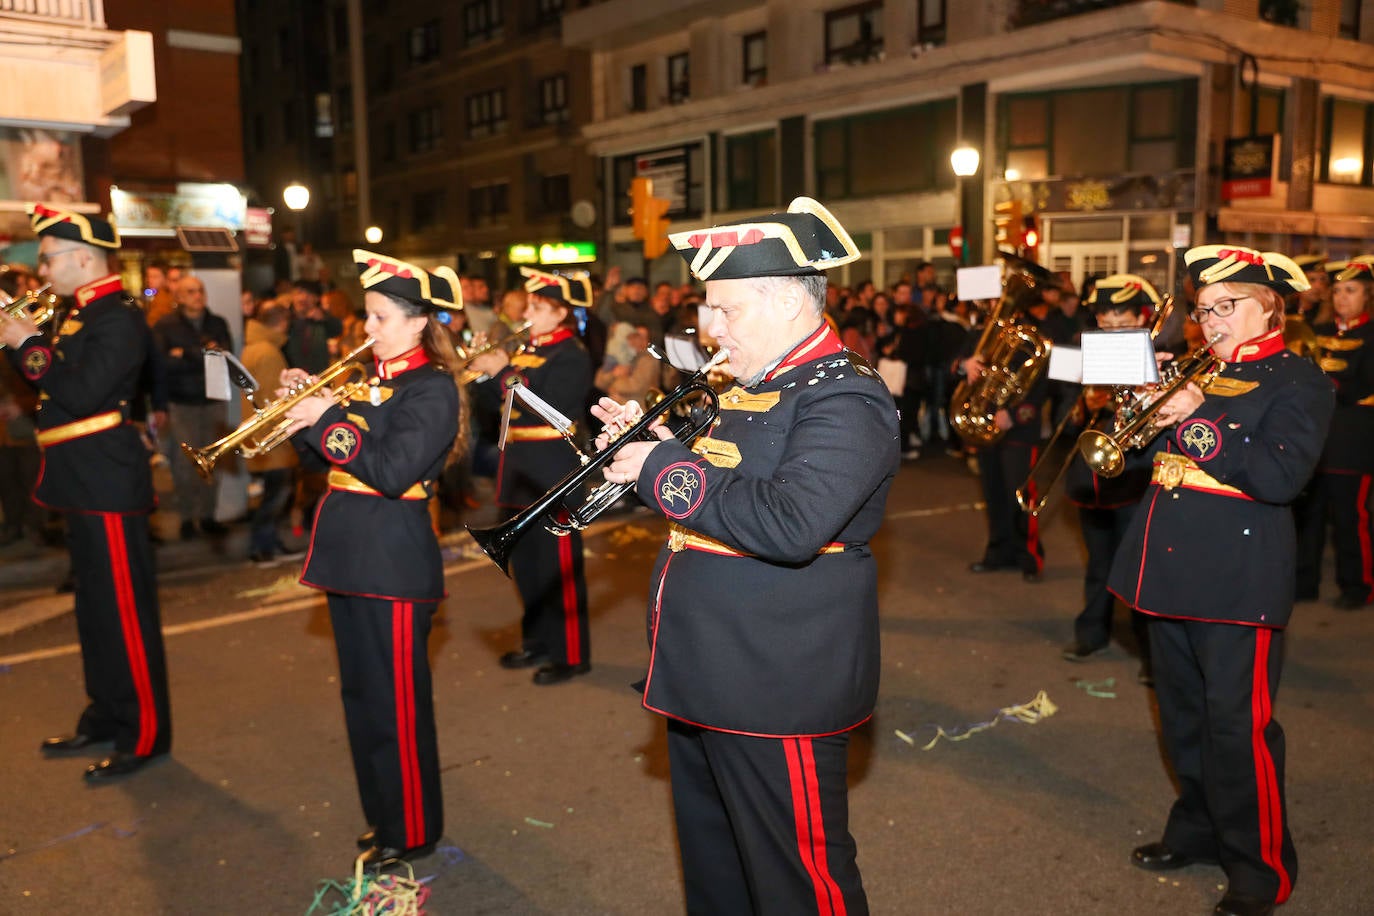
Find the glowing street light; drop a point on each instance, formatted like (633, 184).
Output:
(964, 161)
(296, 196)
(373, 234)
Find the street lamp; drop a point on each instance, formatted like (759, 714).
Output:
(964, 161)
(296, 196)
(373, 234)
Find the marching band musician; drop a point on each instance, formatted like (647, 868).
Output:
(763, 614)
(554, 630)
(95, 472)
(1210, 556)
(1343, 488)
(1106, 504)
(373, 551)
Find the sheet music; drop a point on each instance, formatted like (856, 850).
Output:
(1066, 364)
(547, 412)
(1125, 357)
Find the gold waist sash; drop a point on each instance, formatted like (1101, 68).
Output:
(78, 428)
(1172, 470)
(342, 480)
(680, 538)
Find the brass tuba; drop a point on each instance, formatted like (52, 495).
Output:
(269, 426)
(37, 306)
(1013, 359)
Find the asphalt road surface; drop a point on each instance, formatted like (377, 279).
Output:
(557, 798)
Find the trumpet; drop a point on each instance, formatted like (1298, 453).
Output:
(1136, 422)
(38, 306)
(552, 508)
(269, 426)
(518, 335)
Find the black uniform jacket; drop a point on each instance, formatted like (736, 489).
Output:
(1348, 358)
(1089, 490)
(380, 544)
(556, 367)
(1213, 537)
(186, 373)
(763, 607)
(87, 377)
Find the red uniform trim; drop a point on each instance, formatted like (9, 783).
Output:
(1144, 552)
(557, 335)
(1267, 344)
(1362, 528)
(821, 342)
(1266, 779)
(411, 359)
(92, 291)
(1353, 323)
(806, 814)
(126, 601)
(572, 634)
(403, 669)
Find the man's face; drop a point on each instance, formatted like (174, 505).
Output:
(190, 296)
(636, 292)
(745, 322)
(154, 278)
(480, 291)
(1117, 319)
(64, 264)
(902, 294)
(303, 302)
(926, 275)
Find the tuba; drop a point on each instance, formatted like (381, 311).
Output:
(269, 426)
(1013, 359)
(37, 305)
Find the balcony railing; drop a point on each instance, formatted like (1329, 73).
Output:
(1034, 12)
(85, 14)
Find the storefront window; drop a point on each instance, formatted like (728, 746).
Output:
(1349, 127)
(751, 170)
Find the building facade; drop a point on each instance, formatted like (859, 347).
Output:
(1125, 131)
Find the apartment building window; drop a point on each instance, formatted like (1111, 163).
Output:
(1258, 111)
(854, 154)
(854, 35)
(482, 21)
(340, 28)
(289, 120)
(426, 129)
(1144, 128)
(344, 108)
(754, 48)
(250, 67)
(1348, 138)
(488, 204)
(639, 88)
(389, 141)
(486, 114)
(751, 170)
(555, 194)
(930, 22)
(285, 57)
(258, 133)
(427, 209)
(424, 43)
(1350, 19)
(324, 115)
(553, 99)
(548, 11)
(1280, 12)
(679, 79)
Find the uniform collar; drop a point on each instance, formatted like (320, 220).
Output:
(92, 291)
(557, 335)
(412, 359)
(1353, 323)
(821, 342)
(1266, 344)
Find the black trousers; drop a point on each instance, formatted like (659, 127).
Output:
(1103, 530)
(120, 628)
(553, 590)
(763, 824)
(1216, 684)
(1013, 535)
(1352, 533)
(388, 705)
(1310, 517)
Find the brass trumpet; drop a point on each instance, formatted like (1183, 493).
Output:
(37, 306)
(519, 335)
(269, 425)
(552, 508)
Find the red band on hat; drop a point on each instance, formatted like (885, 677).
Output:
(726, 239)
(47, 213)
(394, 269)
(1249, 257)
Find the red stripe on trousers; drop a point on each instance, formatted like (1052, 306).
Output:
(1366, 550)
(1033, 523)
(1266, 780)
(133, 634)
(402, 614)
(572, 633)
(806, 812)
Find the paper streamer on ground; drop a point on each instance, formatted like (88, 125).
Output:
(1042, 707)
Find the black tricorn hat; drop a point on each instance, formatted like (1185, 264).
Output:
(437, 289)
(1120, 292)
(1311, 261)
(1361, 268)
(803, 241)
(75, 227)
(1233, 264)
(573, 288)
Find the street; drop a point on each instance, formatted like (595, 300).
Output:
(557, 798)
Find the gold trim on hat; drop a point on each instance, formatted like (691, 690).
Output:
(374, 275)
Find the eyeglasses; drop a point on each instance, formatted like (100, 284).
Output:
(47, 257)
(1222, 308)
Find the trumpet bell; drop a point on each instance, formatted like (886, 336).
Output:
(1101, 453)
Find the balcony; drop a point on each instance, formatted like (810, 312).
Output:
(1033, 12)
(79, 14)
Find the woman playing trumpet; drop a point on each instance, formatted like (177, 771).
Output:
(1210, 556)
(374, 552)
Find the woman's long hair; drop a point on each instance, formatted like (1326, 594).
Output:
(438, 346)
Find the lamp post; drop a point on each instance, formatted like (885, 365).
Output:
(964, 161)
(296, 196)
(373, 234)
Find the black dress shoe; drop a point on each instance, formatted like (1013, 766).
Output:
(557, 674)
(119, 764)
(1158, 857)
(984, 566)
(523, 658)
(76, 742)
(1350, 602)
(1241, 905)
(1080, 651)
(367, 840)
(377, 858)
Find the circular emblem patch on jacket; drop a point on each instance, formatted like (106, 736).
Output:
(1199, 439)
(679, 489)
(340, 442)
(36, 362)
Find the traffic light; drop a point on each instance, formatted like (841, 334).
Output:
(1030, 235)
(648, 217)
(1010, 225)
